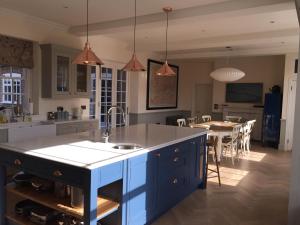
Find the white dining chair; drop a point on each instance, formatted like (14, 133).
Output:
(181, 122)
(247, 135)
(235, 119)
(206, 118)
(192, 120)
(230, 143)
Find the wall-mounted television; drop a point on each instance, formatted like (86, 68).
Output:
(244, 92)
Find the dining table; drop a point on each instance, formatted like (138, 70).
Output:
(218, 129)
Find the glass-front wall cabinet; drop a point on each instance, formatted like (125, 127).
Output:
(62, 74)
(60, 77)
(82, 80)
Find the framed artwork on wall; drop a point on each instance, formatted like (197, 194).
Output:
(162, 91)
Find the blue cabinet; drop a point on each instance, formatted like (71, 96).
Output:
(141, 189)
(158, 180)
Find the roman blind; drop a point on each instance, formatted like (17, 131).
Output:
(16, 52)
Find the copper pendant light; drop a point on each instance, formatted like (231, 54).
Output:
(165, 69)
(134, 64)
(87, 56)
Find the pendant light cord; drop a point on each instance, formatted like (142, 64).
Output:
(134, 29)
(87, 21)
(167, 35)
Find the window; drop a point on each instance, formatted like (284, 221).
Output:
(12, 85)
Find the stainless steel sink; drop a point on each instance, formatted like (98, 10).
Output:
(127, 147)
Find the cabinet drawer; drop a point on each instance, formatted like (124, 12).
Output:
(174, 156)
(173, 162)
(86, 126)
(44, 168)
(174, 182)
(66, 128)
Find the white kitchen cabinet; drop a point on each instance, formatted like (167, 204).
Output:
(61, 78)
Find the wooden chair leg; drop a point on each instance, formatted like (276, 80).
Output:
(206, 168)
(217, 165)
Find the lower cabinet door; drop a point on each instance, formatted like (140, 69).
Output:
(197, 163)
(141, 189)
(171, 189)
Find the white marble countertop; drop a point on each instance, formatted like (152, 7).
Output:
(86, 149)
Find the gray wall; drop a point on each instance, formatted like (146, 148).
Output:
(294, 200)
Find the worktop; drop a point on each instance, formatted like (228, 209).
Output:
(88, 150)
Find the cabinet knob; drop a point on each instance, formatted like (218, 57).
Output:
(175, 181)
(176, 159)
(18, 162)
(57, 173)
(176, 150)
(158, 154)
(193, 142)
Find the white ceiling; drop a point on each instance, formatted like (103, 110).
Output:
(100, 10)
(198, 28)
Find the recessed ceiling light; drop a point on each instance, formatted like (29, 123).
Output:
(282, 42)
(203, 30)
(272, 21)
(65, 7)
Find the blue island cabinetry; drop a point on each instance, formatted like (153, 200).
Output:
(158, 180)
(139, 189)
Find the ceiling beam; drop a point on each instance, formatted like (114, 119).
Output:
(231, 40)
(206, 12)
(259, 51)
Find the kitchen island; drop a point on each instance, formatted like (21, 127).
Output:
(120, 186)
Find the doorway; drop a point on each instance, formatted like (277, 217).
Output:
(113, 92)
(291, 112)
(202, 100)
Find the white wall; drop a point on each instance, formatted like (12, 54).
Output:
(268, 70)
(192, 72)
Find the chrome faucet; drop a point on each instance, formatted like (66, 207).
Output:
(107, 127)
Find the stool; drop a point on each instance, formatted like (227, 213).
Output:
(212, 144)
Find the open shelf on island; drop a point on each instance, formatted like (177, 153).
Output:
(105, 206)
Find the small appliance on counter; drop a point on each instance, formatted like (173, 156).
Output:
(50, 115)
(59, 115)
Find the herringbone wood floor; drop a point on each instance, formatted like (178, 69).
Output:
(254, 192)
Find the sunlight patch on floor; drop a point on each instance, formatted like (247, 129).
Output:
(254, 156)
(229, 176)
